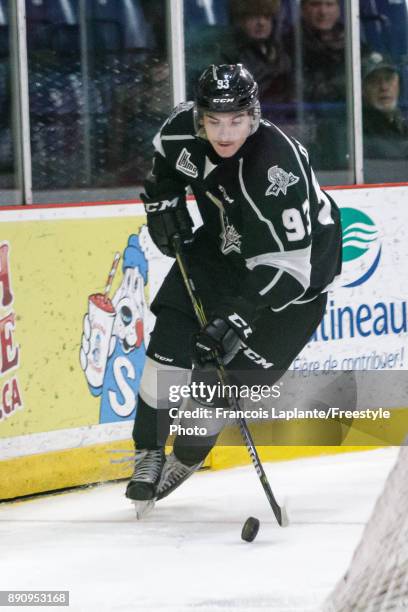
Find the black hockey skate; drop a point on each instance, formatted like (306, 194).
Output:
(174, 473)
(142, 486)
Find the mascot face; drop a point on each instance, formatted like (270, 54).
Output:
(128, 302)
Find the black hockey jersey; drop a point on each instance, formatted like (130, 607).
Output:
(262, 209)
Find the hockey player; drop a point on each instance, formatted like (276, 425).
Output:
(269, 246)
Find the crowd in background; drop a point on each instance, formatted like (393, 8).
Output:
(300, 66)
(93, 114)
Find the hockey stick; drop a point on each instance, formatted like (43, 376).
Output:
(279, 511)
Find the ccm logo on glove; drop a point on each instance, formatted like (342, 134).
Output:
(167, 218)
(242, 325)
(152, 207)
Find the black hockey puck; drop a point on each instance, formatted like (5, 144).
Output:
(250, 529)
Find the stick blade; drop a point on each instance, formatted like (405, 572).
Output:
(284, 518)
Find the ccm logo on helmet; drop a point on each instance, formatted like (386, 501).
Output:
(223, 100)
(241, 324)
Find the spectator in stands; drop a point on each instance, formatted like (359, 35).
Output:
(254, 44)
(318, 49)
(385, 129)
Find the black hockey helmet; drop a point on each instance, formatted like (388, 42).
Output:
(226, 88)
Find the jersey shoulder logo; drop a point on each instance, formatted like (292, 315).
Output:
(280, 181)
(185, 165)
(181, 108)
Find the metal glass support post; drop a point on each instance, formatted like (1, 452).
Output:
(175, 41)
(299, 78)
(20, 87)
(86, 116)
(353, 80)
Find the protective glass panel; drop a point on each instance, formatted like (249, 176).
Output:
(99, 89)
(384, 27)
(297, 53)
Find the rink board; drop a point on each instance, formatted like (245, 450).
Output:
(56, 429)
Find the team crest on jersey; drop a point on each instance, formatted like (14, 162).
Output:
(181, 108)
(280, 181)
(231, 239)
(185, 165)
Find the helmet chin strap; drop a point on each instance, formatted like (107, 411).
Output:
(198, 123)
(256, 117)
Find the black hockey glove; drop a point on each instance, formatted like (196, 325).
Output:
(223, 335)
(165, 219)
(216, 336)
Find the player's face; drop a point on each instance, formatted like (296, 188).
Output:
(381, 90)
(321, 14)
(227, 132)
(257, 27)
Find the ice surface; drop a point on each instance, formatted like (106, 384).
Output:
(188, 555)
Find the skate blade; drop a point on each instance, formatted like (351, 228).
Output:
(143, 508)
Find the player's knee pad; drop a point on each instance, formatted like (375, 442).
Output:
(158, 380)
(152, 421)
